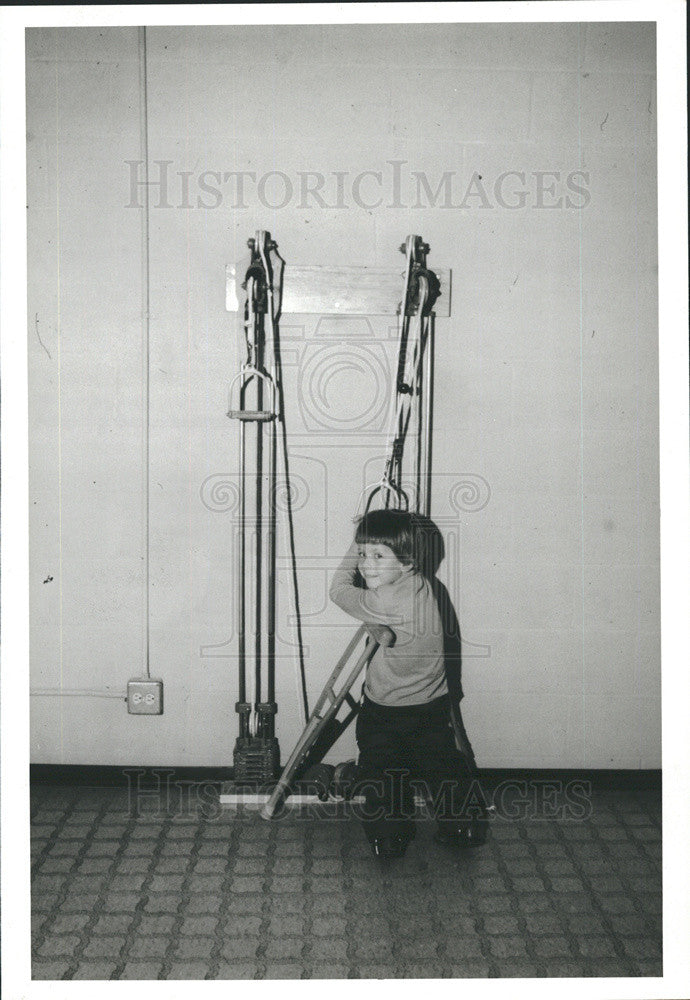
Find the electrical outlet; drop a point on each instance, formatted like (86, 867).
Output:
(145, 696)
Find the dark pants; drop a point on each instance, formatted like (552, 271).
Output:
(408, 748)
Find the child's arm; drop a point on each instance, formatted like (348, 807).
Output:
(382, 634)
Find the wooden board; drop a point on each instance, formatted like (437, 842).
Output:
(347, 291)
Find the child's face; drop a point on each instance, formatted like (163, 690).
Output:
(378, 564)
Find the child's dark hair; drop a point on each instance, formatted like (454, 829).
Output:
(413, 538)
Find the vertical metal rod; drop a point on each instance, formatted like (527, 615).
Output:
(419, 441)
(271, 581)
(258, 610)
(249, 322)
(241, 612)
(421, 397)
(271, 546)
(428, 412)
(264, 245)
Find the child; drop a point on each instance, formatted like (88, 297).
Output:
(404, 729)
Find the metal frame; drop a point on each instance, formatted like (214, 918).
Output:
(416, 320)
(258, 404)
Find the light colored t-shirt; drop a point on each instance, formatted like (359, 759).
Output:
(411, 672)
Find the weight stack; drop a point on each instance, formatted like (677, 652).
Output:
(256, 759)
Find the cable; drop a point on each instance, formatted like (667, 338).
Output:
(146, 374)
(74, 693)
(290, 540)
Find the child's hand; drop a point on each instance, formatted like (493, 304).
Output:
(382, 634)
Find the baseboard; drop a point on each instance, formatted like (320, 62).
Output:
(123, 776)
(108, 775)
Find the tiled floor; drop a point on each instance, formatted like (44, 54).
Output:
(192, 892)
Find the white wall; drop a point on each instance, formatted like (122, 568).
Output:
(546, 384)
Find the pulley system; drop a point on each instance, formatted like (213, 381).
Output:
(411, 406)
(256, 402)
